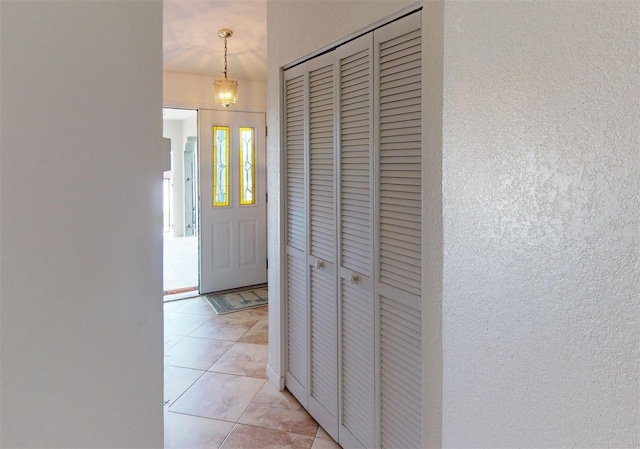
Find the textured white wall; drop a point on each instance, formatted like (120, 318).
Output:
(190, 127)
(81, 242)
(541, 179)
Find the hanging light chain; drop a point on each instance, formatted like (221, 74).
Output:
(225, 57)
(225, 90)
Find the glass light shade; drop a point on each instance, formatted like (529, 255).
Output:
(225, 92)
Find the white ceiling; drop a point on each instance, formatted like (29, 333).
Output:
(191, 43)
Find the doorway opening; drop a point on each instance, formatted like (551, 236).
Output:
(180, 205)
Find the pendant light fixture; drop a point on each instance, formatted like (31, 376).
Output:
(225, 90)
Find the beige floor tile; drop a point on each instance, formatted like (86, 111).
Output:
(176, 323)
(323, 434)
(198, 305)
(257, 313)
(244, 359)
(194, 432)
(249, 437)
(177, 381)
(258, 334)
(203, 407)
(323, 443)
(224, 328)
(218, 396)
(279, 410)
(171, 340)
(172, 306)
(196, 353)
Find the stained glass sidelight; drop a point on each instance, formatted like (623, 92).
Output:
(247, 166)
(220, 166)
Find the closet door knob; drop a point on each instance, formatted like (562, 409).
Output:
(353, 278)
(318, 264)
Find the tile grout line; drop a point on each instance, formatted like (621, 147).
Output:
(206, 321)
(186, 389)
(252, 399)
(243, 412)
(227, 436)
(270, 428)
(235, 423)
(313, 437)
(203, 417)
(203, 373)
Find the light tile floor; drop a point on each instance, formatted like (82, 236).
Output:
(216, 392)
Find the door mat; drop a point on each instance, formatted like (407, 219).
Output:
(234, 301)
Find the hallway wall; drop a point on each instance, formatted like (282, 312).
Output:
(81, 228)
(531, 281)
(541, 303)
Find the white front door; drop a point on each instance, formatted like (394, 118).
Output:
(233, 221)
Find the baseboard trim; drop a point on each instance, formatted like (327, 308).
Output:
(275, 378)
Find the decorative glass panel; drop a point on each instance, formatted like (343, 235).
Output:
(247, 166)
(220, 166)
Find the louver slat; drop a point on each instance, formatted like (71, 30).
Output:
(355, 162)
(323, 306)
(321, 141)
(400, 163)
(295, 191)
(400, 238)
(355, 246)
(401, 369)
(357, 365)
(296, 236)
(296, 319)
(324, 363)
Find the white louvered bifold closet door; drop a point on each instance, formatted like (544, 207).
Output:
(323, 387)
(296, 233)
(399, 211)
(355, 230)
(352, 200)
